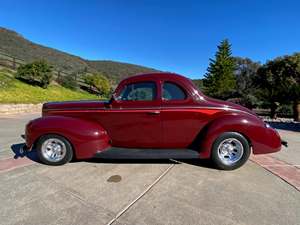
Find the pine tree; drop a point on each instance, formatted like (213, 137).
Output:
(219, 81)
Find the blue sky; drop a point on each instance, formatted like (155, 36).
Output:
(177, 36)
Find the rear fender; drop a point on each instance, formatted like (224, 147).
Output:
(86, 137)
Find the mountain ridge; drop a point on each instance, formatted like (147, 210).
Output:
(16, 45)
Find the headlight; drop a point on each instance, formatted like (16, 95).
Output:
(268, 125)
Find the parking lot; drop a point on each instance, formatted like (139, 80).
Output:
(145, 191)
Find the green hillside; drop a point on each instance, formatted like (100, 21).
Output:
(118, 71)
(15, 91)
(14, 44)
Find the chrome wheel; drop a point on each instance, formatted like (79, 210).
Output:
(53, 149)
(230, 151)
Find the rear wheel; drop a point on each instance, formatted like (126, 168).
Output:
(230, 151)
(54, 150)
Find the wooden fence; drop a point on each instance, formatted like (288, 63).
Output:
(11, 62)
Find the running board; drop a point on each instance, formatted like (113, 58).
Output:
(132, 153)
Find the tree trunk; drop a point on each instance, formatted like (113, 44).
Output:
(273, 111)
(296, 110)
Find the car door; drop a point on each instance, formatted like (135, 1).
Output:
(181, 122)
(134, 117)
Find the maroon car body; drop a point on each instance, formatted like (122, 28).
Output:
(192, 119)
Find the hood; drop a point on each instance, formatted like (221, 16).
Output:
(226, 104)
(85, 104)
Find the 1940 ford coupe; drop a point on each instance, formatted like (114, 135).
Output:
(157, 115)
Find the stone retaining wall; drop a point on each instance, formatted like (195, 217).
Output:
(20, 108)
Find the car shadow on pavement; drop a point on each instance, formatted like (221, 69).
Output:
(19, 153)
(206, 163)
(32, 155)
(194, 162)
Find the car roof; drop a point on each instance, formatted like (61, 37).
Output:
(189, 84)
(155, 76)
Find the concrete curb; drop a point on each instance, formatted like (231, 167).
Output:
(7, 109)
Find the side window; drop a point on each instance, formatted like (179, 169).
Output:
(172, 91)
(143, 91)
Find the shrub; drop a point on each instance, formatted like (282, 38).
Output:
(6, 81)
(285, 110)
(68, 81)
(98, 83)
(35, 73)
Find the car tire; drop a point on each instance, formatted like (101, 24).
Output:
(230, 151)
(54, 150)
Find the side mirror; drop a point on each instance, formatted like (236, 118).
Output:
(113, 98)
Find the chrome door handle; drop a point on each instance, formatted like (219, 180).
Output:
(153, 112)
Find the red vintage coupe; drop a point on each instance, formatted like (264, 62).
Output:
(153, 115)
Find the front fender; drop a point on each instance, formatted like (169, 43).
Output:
(86, 137)
(262, 139)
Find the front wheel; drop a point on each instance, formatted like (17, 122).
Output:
(230, 151)
(54, 150)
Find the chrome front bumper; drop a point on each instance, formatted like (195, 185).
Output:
(284, 143)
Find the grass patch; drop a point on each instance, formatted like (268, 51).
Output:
(15, 91)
